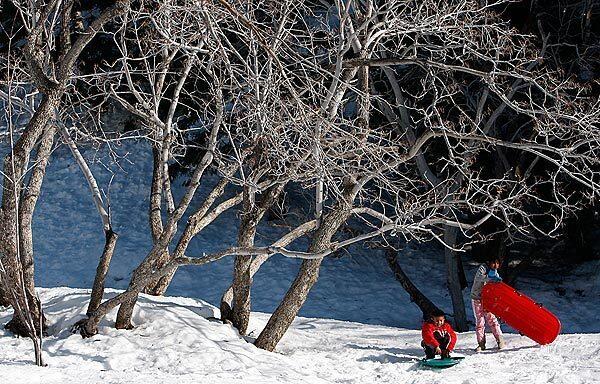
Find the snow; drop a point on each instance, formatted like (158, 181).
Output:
(357, 326)
(178, 340)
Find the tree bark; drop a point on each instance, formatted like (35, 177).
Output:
(239, 313)
(295, 297)
(196, 222)
(101, 271)
(242, 275)
(242, 282)
(4, 300)
(258, 261)
(104, 212)
(27, 206)
(17, 253)
(453, 280)
(155, 214)
(18, 203)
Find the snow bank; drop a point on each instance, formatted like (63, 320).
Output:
(177, 341)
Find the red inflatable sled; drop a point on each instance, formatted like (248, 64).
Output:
(520, 312)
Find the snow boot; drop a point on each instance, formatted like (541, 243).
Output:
(501, 344)
(480, 347)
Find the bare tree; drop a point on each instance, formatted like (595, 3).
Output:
(50, 53)
(251, 113)
(449, 44)
(104, 213)
(389, 111)
(10, 293)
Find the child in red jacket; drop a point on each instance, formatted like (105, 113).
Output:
(438, 336)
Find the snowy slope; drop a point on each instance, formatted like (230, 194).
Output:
(178, 343)
(356, 287)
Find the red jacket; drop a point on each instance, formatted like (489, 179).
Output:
(429, 329)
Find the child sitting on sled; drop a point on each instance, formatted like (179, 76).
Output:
(485, 274)
(438, 336)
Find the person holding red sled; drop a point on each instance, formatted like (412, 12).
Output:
(487, 273)
(438, 336)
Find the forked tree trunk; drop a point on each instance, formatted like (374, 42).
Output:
(296, 295)
(126, 309)
(453, 280)
(197, 222)
(159, 287)
(258, 261)
(18, 204)
(240, 304)
(27, 206)
(162, 244)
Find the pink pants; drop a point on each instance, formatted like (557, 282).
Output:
(482, 317)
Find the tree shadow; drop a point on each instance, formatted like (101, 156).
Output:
(387, 358)
(416, 352)
(391, 355)
(18, 362)
(68, 352)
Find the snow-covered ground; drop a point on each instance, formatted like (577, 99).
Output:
(358, 325)
(177, 341)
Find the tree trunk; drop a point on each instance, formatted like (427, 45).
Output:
(453, 280)
(196, 222)
(18, 203)
(101, 271)
(462, 277)
(89, 327)
(235, 307)
(155, 215)
(26, 208)
(240, 315)
(159, 287)
(145, 268)
(289, 307)
(17, 211)
(258, 261)
(242, 282)
(242, 274)
(295, 297)
(4, 299)
(104, 212)
(126, 309)
(161, 245)
(226, 305)
(425, 305)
